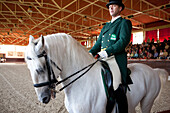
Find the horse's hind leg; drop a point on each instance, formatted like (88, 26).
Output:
(132, 110)
(146, 104)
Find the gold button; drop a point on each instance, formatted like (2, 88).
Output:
(108, 40)
(103, 35)
(102, 41)
(109, 34)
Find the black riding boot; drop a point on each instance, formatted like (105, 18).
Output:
(121, 99)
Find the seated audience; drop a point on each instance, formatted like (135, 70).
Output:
(149, 50)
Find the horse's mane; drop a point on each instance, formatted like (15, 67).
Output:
(64, 40)
(69, 47)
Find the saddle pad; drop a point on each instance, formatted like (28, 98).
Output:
(115, 71)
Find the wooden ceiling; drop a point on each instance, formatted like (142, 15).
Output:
(79, 18)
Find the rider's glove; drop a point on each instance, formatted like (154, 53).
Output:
(103, 54)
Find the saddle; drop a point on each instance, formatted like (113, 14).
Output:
(113, 96)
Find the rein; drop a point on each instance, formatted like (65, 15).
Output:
(90, 66)
(54, 82)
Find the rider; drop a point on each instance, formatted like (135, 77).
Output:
(113, 39)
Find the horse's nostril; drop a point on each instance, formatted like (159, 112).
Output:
(45, 100)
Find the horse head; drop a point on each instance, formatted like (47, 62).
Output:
(38, 63)
(61, 53)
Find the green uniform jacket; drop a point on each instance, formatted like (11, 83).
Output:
(114, 38)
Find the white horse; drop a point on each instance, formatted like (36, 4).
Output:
(87, 94)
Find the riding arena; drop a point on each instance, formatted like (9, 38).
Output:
(69, 56)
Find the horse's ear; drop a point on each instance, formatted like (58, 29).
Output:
(42, 39)
(40, 44)
(31, 38)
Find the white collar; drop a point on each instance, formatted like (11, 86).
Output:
(113, 19)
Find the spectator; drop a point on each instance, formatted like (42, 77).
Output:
(136, 54)
(132, 54)
(155, 54)
(158, 41)
(128, 54)
(148, 50)
(148, 40)
(165, 40)
(142, 45)
(160, 47)
(165, 54)
(166, 46)
(145, 53)
(161, 54)
(168, 40)
(149, 55)
(140, 53)
(157, 48)
(152, 41)
(153, 49)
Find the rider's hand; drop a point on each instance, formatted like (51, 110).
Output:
(103, 54)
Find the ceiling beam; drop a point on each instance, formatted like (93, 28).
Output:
(48, 18)
(27, 14)
(153, 28)
(40, 12)
(155, 7)
(145, 12)
(67, 16)
(56, 4)
(40, 4)
(14, 14)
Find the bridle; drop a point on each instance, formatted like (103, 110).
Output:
(49, 69)
(54, 82)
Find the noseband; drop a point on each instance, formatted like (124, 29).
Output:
(54, 82)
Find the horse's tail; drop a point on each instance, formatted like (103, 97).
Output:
(163, 75)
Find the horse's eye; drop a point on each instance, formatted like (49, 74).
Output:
(40, 70)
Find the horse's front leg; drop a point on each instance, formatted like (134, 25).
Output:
(69, 109)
